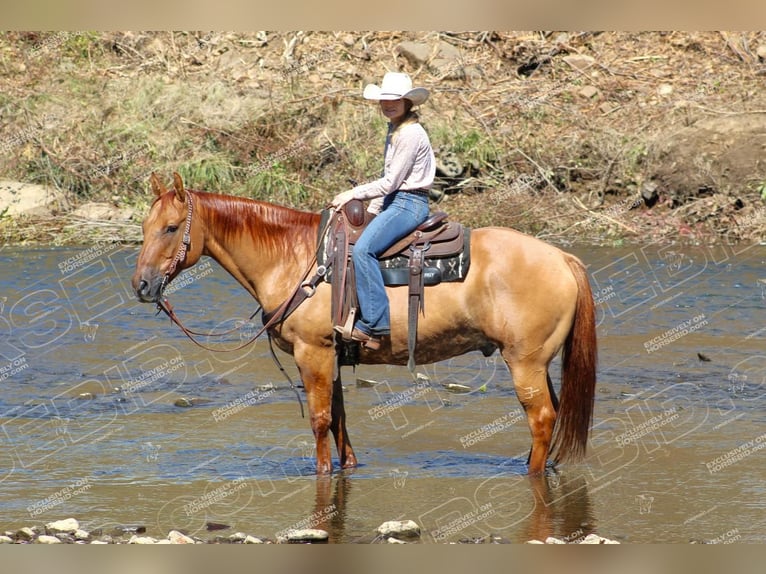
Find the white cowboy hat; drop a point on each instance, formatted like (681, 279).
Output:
(396, 85)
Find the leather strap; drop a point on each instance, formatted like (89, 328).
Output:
(416, 303)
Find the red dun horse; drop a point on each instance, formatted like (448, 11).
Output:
(523, 297)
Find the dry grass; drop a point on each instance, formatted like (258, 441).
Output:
(561, 149)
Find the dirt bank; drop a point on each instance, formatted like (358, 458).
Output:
(572, 136)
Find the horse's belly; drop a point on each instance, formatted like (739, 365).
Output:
(430, 348)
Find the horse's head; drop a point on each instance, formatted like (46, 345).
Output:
(164, 252)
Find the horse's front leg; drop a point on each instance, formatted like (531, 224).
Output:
(338, 427)
(316, 365)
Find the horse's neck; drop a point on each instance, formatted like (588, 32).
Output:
(268, 265)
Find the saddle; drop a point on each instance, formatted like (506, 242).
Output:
(438, 250)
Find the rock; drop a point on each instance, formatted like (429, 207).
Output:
(211, 526)
(307, 535)
(26, 533)
(596, 539)
(97, 211)
(136, 539)
(535, 542)
(5, 539)
(82, 535)
(252, 540)
(67, 526)
(366, 383)
(395, 541)
(176, 537)
(649, 193)
(456, 388)
(399, 528)
(580, 62)
(185, 402)
(552, 540)
(589, 92)
(665, 89)
(238, 537)
(416, 53)
(99, 542)
(18, 198)
(349, 40)
(47, 539)
(126, 529)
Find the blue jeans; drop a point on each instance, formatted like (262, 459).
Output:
(402, 212)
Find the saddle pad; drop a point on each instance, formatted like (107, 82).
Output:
(452, 268)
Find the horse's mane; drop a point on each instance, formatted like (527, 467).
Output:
(273, 227)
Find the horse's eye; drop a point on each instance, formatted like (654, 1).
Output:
(171, 229)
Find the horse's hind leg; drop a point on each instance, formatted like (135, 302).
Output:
(338, 426)
(533, 390)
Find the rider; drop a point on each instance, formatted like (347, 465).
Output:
(399, 199)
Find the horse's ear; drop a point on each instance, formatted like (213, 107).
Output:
(178, 185)
(157, 188)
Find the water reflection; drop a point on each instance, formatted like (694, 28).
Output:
(563, 508)
(560, 507)
(330, 512)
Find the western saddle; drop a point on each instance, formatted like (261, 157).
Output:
(438, 250)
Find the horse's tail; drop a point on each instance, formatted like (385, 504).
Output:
(578, 374)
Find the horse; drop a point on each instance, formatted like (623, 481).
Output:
(522, 297)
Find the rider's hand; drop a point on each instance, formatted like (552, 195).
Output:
(342, 199)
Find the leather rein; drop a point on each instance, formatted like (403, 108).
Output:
(305, 289)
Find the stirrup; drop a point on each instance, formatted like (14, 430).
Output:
(348, 326)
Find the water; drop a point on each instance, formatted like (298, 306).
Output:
(90, 428)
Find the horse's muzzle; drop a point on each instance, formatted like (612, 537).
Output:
(148, 292)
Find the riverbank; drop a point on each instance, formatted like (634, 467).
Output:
(575, 137)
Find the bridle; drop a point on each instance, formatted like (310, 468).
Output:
(164, 305)
(305, 289)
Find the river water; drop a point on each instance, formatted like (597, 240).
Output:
(91, 428)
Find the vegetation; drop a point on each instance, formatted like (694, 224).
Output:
(561, 134)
